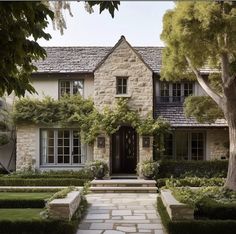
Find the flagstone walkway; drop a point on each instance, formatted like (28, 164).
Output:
(118, 213)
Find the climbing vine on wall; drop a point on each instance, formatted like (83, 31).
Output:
(80, 113)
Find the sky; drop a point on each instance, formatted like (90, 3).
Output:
(139, 21)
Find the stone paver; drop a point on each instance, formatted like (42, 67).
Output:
(117, 213)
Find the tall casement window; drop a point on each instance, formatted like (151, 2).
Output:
(184, 145)
(175, 92)
(71, 87)
(61, 147)
(121, 85)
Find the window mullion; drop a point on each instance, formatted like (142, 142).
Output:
(55, 146)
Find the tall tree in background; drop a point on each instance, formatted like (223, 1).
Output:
(21, 25)
(199, 34)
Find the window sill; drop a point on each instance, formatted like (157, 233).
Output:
(123, 95)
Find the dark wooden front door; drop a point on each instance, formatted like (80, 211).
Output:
(124, 150)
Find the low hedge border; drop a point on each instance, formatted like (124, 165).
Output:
(190, 181)
(194, 226)
(211, 209)
(43, 226)
(42, 182)
(183, 168)
(27, 203)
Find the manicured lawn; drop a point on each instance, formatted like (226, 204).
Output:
(20, 214)
(24, 196)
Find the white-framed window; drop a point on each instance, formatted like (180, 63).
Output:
(175, 92)
(71, 87)
(61, 147)
(121, 85)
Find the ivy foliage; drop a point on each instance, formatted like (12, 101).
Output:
(74, 111)
(203, 108)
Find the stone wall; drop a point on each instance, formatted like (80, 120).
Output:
(217, 142)
(102, 153)
(123, 62)
(26, 147)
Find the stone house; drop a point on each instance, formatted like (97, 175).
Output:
(106, 74)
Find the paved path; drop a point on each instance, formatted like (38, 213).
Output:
(117, 213)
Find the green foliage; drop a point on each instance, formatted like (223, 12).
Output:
(148, 168)
(203, 108)
(194, 226)
(211, 209)
(19, 22)
(197, 30)
(98, 168)
(4, 139)
(80, 174)
(183, 168)
(37, 226)
(42, 182)
(81, 114)
(194, 182)
(193, 196)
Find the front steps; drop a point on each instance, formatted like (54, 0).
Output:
(123, 186)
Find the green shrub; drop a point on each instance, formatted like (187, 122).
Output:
(194, 182)
(211, 209)
(183, 168)
(41, 182)
(81, 174)
(27, 203)
(37, 227)
(194, 226)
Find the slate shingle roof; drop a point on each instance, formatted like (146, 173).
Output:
(85, 59)
(174, 113)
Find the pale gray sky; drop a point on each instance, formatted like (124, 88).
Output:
(140, 22)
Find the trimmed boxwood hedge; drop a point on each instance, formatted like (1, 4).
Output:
(27, 203)
(4, 181)
(174, 168)
(208, 208)
(194, 226)
(37, 227)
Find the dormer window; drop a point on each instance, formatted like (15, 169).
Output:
(71, 87)
(121, 85)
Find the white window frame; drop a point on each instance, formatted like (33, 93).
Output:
(71, 86)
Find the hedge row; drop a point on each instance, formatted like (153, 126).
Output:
(81, 174)
(190, 181)
(41, 182)
(194, 226)
(211, 209)
(37, 227)
(27, 203)
(185, 168)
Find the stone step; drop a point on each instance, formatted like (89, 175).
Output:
(123, 189)
(123, 183)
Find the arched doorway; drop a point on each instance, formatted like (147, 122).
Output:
(124, 151)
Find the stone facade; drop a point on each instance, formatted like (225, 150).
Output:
(217, 144)
(124, 62)
(26, 147)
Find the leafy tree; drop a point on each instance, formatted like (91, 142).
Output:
(203, 34)
(21, 25)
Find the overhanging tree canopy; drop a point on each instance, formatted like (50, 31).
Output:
(203, 34)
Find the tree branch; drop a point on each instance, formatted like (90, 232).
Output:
(216, 97)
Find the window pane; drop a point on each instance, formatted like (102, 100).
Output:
(78, 87)
(121, 85)
(197, 146)
(181, 145)
(64, 87)
(176, 92)
(188, 89)
(164, 92)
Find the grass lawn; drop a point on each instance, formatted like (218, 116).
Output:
(24, 196)
(20, 214)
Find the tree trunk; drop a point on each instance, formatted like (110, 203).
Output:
(230, 114)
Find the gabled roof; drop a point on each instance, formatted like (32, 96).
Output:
(174, 113)
(122, 39)
(86, 59)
